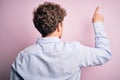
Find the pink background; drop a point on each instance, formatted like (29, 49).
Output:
(17, 32)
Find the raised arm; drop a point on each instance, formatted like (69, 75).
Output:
(101, 53)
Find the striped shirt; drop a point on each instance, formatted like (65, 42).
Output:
(51, 59)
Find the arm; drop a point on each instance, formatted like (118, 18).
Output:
(101, 39)
(101, 53)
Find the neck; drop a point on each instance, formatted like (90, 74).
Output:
(54, 34)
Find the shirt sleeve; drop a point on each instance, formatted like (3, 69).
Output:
(15, 68)
(14, 75)
(101, 53)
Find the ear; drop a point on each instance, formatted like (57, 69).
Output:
(59, 27)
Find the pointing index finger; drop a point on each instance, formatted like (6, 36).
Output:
(96, 11)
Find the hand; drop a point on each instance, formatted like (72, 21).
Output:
(97, 16)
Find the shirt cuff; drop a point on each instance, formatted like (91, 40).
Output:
(99, 29)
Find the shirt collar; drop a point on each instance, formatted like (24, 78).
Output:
(47, 40)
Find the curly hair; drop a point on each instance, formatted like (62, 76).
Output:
(47, 16)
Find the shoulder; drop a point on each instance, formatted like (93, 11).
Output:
(27, 52)
(30, 49)
(70, 44)
(24, 56)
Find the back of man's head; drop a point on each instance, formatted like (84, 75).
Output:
(47, 16)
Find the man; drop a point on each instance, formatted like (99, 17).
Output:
(51, 59)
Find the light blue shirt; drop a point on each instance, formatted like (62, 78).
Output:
(51, 59)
